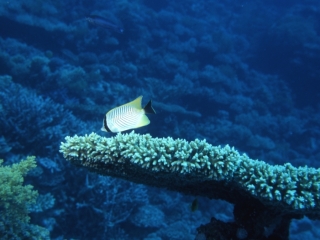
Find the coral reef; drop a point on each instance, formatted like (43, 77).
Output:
(15, 200)
(216, 70)
(30, 121)
(44, 202)
(278, 193)
(148, 216)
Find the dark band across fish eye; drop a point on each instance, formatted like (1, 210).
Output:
(105, 125)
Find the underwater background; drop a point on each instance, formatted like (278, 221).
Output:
(243, 73)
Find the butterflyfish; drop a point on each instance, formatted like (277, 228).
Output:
(127, 116)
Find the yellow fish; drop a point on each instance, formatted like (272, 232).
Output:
(127, 116)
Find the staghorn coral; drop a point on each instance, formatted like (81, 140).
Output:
(15, 200)
(274, 193)
(32, 122)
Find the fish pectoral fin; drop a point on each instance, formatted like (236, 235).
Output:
(143, 122)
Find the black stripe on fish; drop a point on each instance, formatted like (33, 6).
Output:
(105, 124)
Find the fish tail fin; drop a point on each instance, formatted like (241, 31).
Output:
(148, 108)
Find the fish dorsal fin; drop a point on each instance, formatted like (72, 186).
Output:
(135, 103)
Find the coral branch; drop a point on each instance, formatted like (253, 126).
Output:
(198, 168)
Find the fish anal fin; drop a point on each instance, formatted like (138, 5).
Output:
(143, 121)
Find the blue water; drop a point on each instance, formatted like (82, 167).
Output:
(243, 73)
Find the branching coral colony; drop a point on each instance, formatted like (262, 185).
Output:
(266, 197)
(15, 200)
